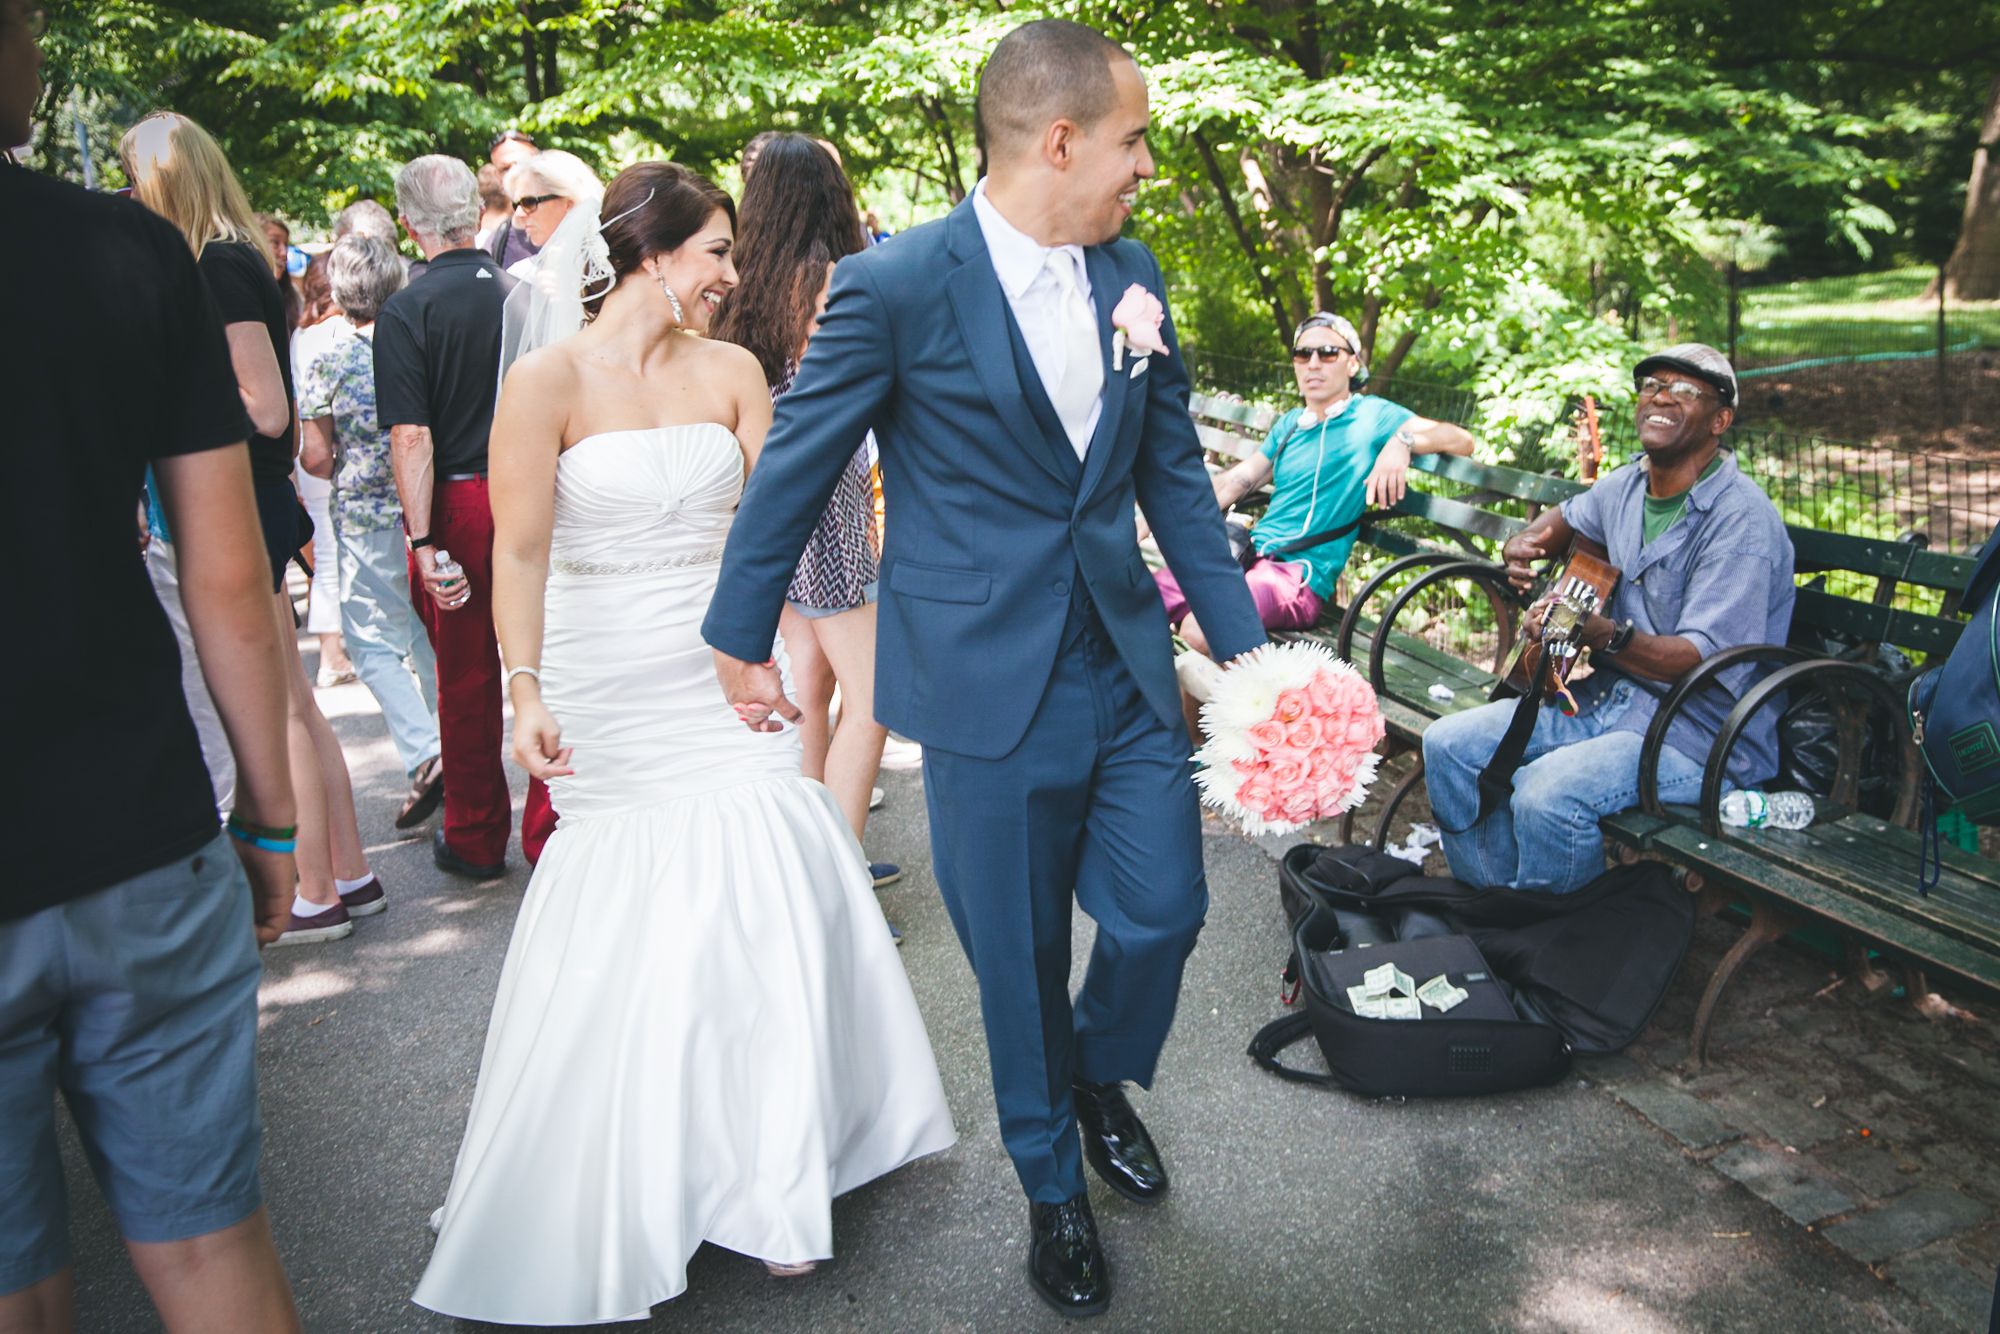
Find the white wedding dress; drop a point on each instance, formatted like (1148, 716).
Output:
(702, 1031)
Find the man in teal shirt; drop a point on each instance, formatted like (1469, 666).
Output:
(1326, 462)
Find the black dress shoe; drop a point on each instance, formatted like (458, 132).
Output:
(1065, 1260)
(447, 860)
(1116, 1143)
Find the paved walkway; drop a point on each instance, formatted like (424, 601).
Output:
(1560, 1209)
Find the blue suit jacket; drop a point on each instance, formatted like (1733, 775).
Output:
(987, 526)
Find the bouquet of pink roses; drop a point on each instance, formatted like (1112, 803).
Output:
(1291, 738)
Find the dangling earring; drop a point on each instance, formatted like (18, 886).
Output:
(680, 316)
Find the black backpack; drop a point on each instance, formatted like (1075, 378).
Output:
(1545, 975)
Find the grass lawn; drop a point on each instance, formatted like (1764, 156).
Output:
(1847, 316)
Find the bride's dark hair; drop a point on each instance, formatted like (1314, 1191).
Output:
(653, 208)
(798, 217)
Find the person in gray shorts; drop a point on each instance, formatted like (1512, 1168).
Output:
(129, 924)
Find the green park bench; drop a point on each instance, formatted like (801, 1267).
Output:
(1851, 873)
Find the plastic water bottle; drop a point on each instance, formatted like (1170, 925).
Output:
(450, 571)
(1749, 809)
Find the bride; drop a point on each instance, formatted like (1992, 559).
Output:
(702, 1030)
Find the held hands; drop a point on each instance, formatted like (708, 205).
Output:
(1390, 480)
(756, 692)
(450, 594)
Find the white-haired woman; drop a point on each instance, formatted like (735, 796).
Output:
(346, 443)
(545, 189)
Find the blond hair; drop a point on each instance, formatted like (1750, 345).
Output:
(178, 171)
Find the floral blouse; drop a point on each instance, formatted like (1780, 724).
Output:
(340, 383)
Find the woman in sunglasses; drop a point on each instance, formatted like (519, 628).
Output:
(1326, 463)
(544, 188)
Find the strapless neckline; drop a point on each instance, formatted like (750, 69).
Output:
(651, 430)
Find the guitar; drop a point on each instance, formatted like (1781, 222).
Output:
(1581, 588)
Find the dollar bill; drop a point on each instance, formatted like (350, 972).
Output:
(1440, 994)
(1360, 996)
(1402, 1007)
(1388, 978)
(1373, 1009)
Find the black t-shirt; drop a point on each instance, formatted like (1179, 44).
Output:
(437, 357)
(239, 274)
(122, 361)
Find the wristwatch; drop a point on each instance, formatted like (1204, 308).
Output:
(1621, 638)
(1404, 438)
(425, 541)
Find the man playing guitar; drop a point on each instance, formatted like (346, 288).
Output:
(1706, 566)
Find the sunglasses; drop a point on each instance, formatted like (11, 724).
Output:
(533, 202)
(1303, 355)
(1687, 391)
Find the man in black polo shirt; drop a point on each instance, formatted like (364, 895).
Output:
(437, 365)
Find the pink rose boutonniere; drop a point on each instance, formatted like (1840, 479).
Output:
(1136, 319)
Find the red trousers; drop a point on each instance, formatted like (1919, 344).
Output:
(478, 813)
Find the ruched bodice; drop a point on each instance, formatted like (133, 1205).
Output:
(629, 500)
(640, 520)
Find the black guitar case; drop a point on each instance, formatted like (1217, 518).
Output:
(1546, 975)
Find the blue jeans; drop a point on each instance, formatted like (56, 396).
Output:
(386, 639)
(1577, 770)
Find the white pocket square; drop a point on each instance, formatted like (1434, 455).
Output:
(1138, 365)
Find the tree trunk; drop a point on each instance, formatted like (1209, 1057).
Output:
(531, 68)
(551, 76)
(1973, 271)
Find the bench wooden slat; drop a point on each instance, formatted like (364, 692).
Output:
(1538, 487)
(1865, 868)
(1226, 443)
(1255, 416)
(1814, 550)
(1968, 864)
(1883, 625)
(1456, 514)
(1747, 872)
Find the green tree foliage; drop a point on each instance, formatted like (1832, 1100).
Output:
(1504, 194)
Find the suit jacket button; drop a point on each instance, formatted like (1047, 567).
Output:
(1059, 588)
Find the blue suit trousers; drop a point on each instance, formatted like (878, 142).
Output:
(1096, 806)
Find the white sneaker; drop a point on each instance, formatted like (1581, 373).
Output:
(875, 797)
(902, 755)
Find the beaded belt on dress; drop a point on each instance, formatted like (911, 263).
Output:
(564, 565)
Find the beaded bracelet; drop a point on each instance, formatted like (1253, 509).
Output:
(270, 838)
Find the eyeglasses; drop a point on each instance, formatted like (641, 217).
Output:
(1687, 391)
(1303, 355)
(533, 202)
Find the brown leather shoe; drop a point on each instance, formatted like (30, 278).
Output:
(426, 792)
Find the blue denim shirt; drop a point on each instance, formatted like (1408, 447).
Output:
(1720, 577)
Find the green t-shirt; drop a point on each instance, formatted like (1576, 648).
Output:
(1660, 514)
(1318, 479)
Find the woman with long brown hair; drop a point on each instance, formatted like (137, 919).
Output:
(180, 173)
(799, 220)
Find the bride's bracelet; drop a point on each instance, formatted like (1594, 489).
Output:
(524, 671)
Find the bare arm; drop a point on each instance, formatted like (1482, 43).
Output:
(522, 455)
(258, 378)
(1239, 480)
(225, 579)
(316, 446)
(411, 458)
(1389, 480)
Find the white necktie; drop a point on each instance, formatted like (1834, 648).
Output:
(1083, 361)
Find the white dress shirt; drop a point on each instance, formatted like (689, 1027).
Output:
(1034, 294)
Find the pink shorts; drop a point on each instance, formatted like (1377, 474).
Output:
(1284, 602)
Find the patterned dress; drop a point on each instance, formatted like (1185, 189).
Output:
(340, 383)
(840, 559)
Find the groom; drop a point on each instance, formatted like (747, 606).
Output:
(1022, 640)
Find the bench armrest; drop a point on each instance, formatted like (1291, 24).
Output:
(1847, 676)
(1350, 620)
(1701, 678)
(1490, 577)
